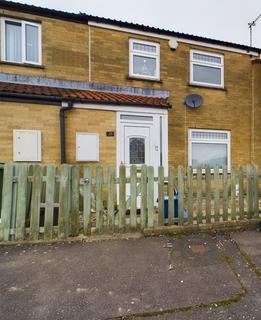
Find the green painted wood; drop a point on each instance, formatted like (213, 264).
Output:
(143, 185)
(87, 200)
(180, 194)
(122, 198)
(49, 202)
(190, 194)
(75, 200)
(225, 193)
(150, 196)
(6, 210)
(21, 203)
(241, 193)
(99, 200)
(35, 202)
(233, 193)
(14, 203)
(216, 194)
(133, 190)
(199, 195)
(250, 177)
(208, 194)
(256, 191)
(64, 210)
(111, 196)
(171, 196)
(161, 195)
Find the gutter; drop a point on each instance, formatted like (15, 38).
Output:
(35, 98)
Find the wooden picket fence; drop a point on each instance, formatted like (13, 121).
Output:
(49, 202)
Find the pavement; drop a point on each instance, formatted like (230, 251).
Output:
(197, 277)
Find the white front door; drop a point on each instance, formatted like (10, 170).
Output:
(140, 141)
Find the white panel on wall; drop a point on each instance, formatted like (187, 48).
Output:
(87, 146)
(27, 145)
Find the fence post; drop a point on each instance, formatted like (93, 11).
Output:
(143, 185)
(150, 196)
(225, 194)
(161, 195)
(180, 193)
(21, 202)
(111, 196)
(35, 202)
(122, 200)
(199, 195)
(49, 202)
(87, 200)
(190, 193)
(249, 191)
(63, 219)
(241, 193)
(6, 202)
(208, 194)
(256, 191)
(75, 201)
(133, 191)
(216, 193)
(233, 193)
(99, 202)
(171, 196)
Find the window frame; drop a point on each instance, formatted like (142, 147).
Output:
(215, 141)
(207, 64)
(23, 41)
(39, 145)
(156, 56)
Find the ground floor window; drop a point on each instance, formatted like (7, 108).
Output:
(209, 148)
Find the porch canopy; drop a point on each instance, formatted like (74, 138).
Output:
(55, 95)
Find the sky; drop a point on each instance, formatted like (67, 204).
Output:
(219, 19)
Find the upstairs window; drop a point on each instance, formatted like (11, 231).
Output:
(21, 41)
(144, 59)
(206, 69)
(209, 148)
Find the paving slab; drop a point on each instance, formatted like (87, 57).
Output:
(250, 244)
(110, 279)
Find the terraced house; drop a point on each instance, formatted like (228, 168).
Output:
(82, 89)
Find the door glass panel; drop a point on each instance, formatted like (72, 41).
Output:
(137, 151)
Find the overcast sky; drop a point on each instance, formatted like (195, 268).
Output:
(219, 19)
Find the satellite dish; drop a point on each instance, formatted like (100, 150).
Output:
(193, 100)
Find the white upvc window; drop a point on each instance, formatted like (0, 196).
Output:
(26, 145)
(209, 148)
(21, 41)
(144, 59)
(206, 69)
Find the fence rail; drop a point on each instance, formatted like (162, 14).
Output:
(57, 202)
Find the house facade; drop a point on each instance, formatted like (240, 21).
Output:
(81, 89)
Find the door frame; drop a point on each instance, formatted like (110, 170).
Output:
(160, 121)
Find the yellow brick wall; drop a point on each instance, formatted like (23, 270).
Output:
(65, 55)
(64, 49)
(228, 109)
(46, 119)
(257, 112)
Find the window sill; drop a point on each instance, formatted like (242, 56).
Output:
(29, 65)
(143, 79)
(206, 86)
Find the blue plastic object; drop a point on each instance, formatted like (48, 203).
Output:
(166, 206)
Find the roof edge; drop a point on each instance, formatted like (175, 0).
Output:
(85, 18)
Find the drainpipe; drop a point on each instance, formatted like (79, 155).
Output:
(66, 106)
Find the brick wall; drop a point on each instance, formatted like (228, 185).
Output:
(64, 49)
(46, 119)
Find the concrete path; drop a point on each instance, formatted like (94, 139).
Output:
(192, 277)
